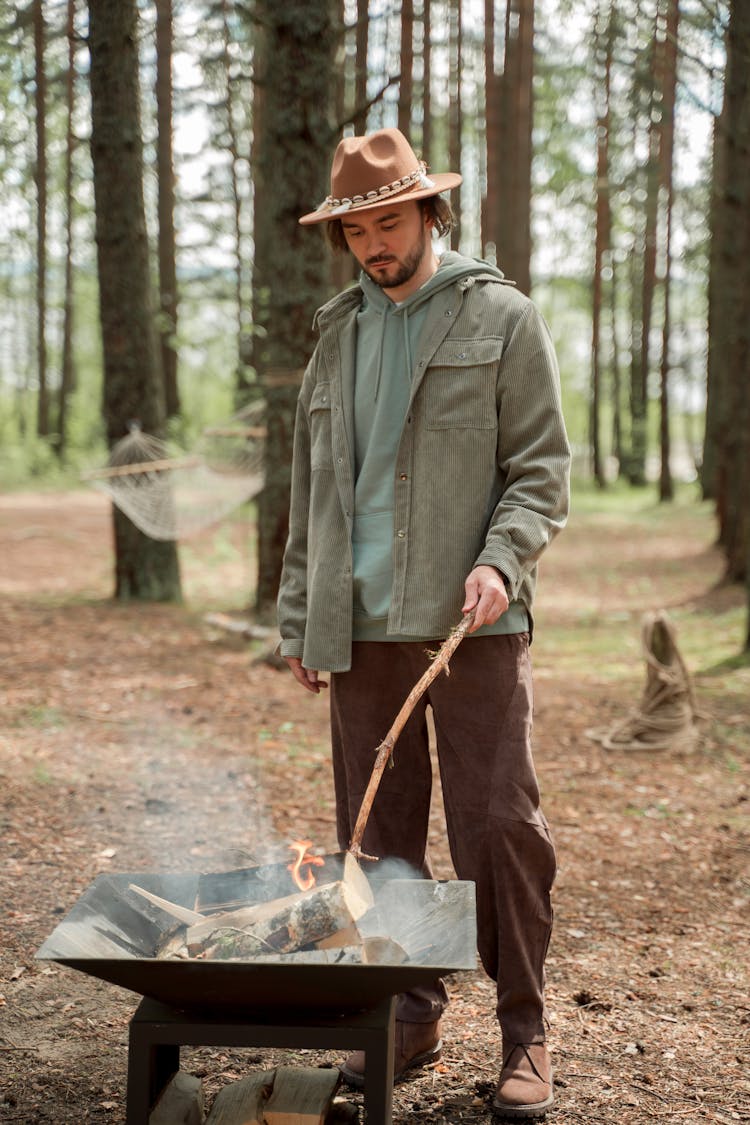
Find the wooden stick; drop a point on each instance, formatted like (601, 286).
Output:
(385, 749)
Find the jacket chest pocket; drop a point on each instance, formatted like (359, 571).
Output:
(459, 385)
(321, 453)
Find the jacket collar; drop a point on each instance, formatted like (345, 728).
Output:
(338, 306)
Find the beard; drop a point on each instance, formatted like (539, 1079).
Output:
(397, 271)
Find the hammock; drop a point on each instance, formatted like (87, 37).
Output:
(666, 716)
(171, 495)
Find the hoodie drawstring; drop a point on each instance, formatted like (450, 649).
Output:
(383, 314)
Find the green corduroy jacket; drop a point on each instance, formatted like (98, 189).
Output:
(481, 475)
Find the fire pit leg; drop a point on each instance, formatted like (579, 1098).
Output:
(379, 1059)
(157, 1032)
(150, 1067)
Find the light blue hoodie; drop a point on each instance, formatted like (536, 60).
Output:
(387, 340)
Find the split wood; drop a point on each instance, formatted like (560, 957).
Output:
(385, 749)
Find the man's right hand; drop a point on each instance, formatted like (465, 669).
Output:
(308, 677)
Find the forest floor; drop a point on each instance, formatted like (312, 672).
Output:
(139, 738)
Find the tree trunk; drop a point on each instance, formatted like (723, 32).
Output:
(602, 240)
(67, 374)
(648, 277)
(717, 361)
(427, 83)
(668, 72)
(144, 569)
(292, 159)
(635, 461)
(455, 110)
(492, 134)
(242, 291)
(361, 68)
(166, 203)
(617, 442)
(736, 293)
(642, 268)
(510, 164)
(40, 178)
(406, 86)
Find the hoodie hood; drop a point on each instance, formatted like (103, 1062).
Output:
(451, 267)
(377, 308)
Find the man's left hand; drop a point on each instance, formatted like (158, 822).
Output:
(486, 591)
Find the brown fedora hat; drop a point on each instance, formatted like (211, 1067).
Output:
(370, 171)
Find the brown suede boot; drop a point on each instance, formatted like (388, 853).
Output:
(416, 1045)
(525, 1086)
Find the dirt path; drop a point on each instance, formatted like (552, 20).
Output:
(135, 738)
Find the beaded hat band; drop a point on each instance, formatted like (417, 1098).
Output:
(369, 171)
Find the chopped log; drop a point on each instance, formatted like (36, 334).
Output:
(355, 878)
(301, 1095)
(342, 1113)
(181, 913)
(283, 925)
(181, 1102)
(172, 943)
(243, 918)
(342, 938)
(383, 951)
(241, 1103)
(227, 890)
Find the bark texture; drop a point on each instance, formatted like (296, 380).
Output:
(144, 569)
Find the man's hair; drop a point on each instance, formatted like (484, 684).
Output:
(435, 207)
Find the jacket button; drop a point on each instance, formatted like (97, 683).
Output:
(401, 534)
(402, 476)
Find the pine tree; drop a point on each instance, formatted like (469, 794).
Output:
(144, 568)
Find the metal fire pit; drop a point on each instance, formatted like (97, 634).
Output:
(113, 934)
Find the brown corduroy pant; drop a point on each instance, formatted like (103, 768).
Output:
(497, 833)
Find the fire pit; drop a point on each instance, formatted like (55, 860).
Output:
(114, 933)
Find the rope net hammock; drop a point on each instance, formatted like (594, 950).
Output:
(170, 495)
(665, 718)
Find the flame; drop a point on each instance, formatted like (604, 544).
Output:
(304, 882)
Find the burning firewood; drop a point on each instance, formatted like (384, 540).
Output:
(282, 925)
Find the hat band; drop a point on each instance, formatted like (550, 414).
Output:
(333, 205)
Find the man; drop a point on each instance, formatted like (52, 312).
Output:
(430, 472)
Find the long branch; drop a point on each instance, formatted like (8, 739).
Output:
(385, 749)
